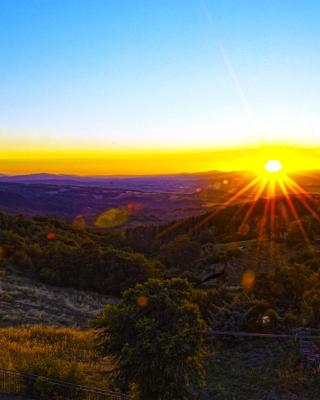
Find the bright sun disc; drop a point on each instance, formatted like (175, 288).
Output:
(273, 166)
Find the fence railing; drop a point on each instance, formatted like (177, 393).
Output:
(36, 387)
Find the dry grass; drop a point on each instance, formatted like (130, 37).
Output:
(25, 302)
(25, 347)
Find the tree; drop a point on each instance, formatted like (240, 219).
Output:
(155, 336)
(285, 287)
(180, 252)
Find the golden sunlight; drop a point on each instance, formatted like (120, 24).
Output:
(273, 166)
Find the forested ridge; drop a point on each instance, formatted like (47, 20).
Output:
(58, 253)
(275, 277)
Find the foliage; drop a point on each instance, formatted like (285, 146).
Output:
(156, 337)
(41, 387)
(286, 286)
(59, 353)
(58, 253)
(256, 369)
(6, 296)
(180, 253)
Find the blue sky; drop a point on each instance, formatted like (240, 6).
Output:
(158, 74)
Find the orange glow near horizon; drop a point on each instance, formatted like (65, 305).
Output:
(152, 161)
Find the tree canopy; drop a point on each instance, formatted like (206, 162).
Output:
(155, 335)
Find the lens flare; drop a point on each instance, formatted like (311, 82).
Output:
(111, 218)
(2, 252)
(79, 222)
(134, 207)
(248, 280)
(142, 301)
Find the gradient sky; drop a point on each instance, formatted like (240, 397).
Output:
(108, 79)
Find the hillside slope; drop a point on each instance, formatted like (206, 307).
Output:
(25, 301)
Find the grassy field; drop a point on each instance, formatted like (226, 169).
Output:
(237, 370)
(68, 353)
(260, 370)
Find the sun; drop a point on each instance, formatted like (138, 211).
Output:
(273, 166)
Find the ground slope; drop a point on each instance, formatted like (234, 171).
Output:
(24, 301)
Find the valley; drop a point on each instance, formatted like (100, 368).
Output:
(66, 258)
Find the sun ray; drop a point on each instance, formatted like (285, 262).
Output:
(301, 190)
(270, 184)
(293, 186)
(244, 205)
(258, 194)
(263, 221)
(294, 211)
(211, 215)
(299, 187)
(227, 203)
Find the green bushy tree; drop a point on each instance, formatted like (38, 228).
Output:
(155, 335)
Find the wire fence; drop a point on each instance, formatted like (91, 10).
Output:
(35, 387)
(306, 343)
(297, 336)
(40, 388)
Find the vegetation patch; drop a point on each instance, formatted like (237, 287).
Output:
(57, 353)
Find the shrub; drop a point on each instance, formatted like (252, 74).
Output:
(39, 379)
(6, 296)
(156, 337)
